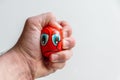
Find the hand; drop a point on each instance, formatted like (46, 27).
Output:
(29, 45)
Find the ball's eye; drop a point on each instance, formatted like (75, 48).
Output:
(44, 39)
(55, 39)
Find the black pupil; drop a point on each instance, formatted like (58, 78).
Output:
(56, 40)
(43, 39)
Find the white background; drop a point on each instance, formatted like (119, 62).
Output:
(96, 28)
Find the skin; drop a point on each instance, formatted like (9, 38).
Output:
(25, 62)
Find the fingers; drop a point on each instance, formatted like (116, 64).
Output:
(47, 19)
(41, 20)
(68, 43)
(58, 60)
(67, 31)
(52, 67)
(61, 56)
(56, 66)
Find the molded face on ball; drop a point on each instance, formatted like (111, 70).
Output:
(51, 40)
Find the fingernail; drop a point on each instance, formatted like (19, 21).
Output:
(57, 25)
(54, 57)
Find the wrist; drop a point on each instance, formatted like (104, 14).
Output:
(14, 66)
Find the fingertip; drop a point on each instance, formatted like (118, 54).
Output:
(61, 56)
(66, 28)
(54, 57)
(57, 58)
(68, 43)
(58, 65)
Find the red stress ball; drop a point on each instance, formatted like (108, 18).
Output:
(51, 40)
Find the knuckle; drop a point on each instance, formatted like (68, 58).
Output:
(64, 23)
(69, 31)
(49, 13)
(29, 20)
(71, 42)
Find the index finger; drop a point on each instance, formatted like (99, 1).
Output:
(67, 30)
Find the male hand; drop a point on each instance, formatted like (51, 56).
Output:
(28, 46)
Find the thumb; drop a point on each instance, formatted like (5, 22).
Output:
(41, 20)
